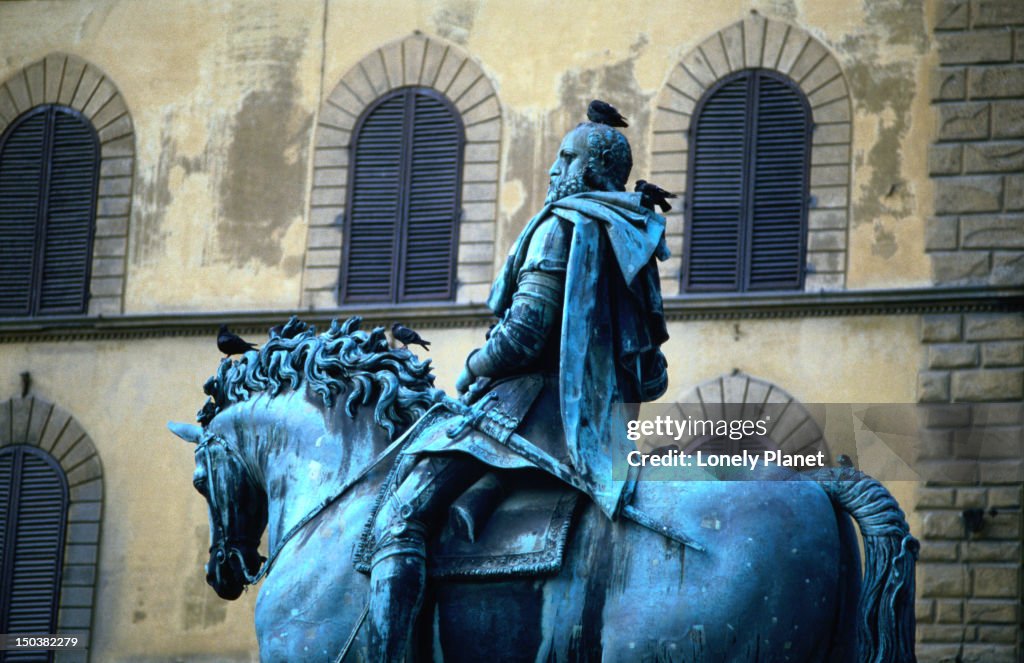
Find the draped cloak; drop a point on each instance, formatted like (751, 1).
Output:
(611, 330)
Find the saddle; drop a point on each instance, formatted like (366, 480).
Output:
(510, 523)
(493, 528)
(524, 534)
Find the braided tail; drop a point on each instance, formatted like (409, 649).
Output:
(885, 629)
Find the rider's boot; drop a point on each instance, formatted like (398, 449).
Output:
(396, 584)
(398, 572)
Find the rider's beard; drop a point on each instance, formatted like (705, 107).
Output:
(566, 186)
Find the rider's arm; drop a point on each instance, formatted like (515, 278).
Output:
(519, 339)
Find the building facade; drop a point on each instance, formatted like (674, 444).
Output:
(849, 229)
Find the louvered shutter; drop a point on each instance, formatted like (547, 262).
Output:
(716, 203)
(749, 166)
(33, 511)
(374, 204)
(49, 168)
(21, 179)
(404, 188)
(67, 249)
(779, 187)
(434, 169)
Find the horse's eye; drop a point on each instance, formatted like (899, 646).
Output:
(199, 480)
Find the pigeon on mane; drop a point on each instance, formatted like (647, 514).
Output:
(342, 360)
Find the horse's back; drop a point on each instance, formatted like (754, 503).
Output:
(765, 587)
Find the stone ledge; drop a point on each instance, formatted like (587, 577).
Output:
(983, 301)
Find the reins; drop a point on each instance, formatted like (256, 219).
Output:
(297, 527)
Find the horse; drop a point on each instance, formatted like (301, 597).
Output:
(298, 438)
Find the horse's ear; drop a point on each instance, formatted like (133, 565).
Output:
(188, 432)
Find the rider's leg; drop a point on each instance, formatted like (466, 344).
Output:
(398, 571)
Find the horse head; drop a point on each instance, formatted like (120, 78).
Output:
(297, 400)
(237, 510)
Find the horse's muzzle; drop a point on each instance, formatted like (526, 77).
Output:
(224, 571)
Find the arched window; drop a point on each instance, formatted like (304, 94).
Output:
(403, 200)
(49, 168)
(33, 513)
(746, 225)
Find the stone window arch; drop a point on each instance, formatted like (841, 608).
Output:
(53, 432)
(423, 62)
(759, 43)
(790, 427)
(68, 81)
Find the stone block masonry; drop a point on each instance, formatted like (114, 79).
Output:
(978, 158)
(971, 446)
(971, 382)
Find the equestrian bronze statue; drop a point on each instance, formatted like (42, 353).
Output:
(403, 522)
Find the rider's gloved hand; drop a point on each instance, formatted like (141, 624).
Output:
(466, 378)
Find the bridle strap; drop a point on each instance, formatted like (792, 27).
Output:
(313, 513)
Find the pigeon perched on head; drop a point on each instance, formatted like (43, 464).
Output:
(408, 337)
(604, 113)
(652, 194)
(230, 344)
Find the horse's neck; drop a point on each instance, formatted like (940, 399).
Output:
(307, 455)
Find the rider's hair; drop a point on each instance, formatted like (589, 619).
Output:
(610, 158)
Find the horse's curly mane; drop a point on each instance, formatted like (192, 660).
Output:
(343, 358)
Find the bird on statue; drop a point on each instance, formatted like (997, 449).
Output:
(408, 337)
(230, 344)
(652, 194)
(604, 113)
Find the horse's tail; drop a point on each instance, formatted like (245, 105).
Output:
(885, 629)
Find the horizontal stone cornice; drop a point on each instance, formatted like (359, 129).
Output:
(449, 316)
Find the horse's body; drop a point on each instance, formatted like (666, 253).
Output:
(778, 580)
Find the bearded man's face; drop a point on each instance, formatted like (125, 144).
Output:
(570, 166)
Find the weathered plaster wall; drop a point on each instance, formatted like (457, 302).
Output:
(224, 97)
(817, 360)
(152, 600)
(151, 596)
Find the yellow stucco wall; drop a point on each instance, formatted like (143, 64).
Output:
(151, 596)
(152, 599)
(223, 96)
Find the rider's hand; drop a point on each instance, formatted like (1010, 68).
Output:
(466, 378)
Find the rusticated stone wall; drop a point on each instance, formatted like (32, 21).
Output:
(972, 382)
(977, 234)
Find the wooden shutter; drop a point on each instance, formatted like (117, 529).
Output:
(404, 195)
(779, 188)
(374, 204)
(433, 211)
(749, 164)
(33, 512)
(49, 168)
(21, 177)
(716, 188)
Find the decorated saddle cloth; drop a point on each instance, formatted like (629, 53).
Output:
(525, 534)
